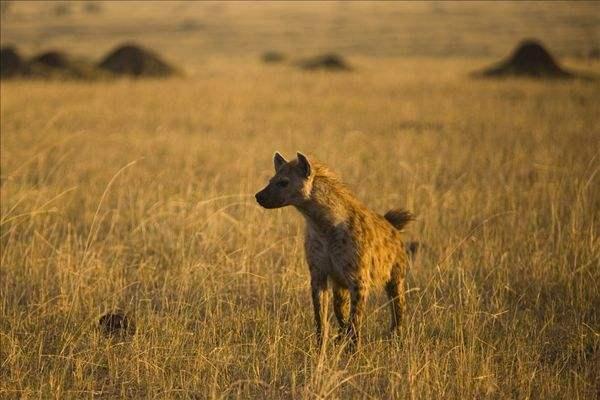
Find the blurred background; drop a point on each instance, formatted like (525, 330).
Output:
(187, 33)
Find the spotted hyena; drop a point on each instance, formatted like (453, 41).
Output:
(347, 245)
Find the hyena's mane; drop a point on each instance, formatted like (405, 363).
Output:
(329, 191)
(323, 176)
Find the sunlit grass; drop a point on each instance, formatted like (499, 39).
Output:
(138, 195)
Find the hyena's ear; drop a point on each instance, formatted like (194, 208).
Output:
(303, 164)
(278, 160)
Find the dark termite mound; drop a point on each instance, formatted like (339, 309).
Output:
(530, 59)
(133, 60)
(326, 62)
(53, 59)
(11, 63)
(57, 64)
(272, 57)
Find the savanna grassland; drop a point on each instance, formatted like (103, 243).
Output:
(138, 195)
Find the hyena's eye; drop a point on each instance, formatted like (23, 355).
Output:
(282, 183)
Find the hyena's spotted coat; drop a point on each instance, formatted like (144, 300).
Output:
(347, 245)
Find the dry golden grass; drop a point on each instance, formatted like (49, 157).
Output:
(138, 195)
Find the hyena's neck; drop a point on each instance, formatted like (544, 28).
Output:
(329, 205)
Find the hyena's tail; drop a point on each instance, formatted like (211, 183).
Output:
(399, 218)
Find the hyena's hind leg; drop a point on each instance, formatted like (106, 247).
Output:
(357, 304)
(395, 291)
(341, 306)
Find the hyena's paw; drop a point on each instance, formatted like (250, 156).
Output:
(342, 337)
(348, 338)
(396, 334)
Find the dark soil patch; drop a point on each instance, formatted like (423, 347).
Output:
(326, 62)
(134, 60)
(116, 323)
(412, 248)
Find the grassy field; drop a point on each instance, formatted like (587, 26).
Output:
(138, 195)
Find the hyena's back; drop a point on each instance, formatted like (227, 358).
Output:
(370, 247)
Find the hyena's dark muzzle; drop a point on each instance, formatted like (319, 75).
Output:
(267, 199)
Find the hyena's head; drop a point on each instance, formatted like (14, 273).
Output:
(291, 184)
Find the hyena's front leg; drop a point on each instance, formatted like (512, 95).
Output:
(357, 305)
(320, 298)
